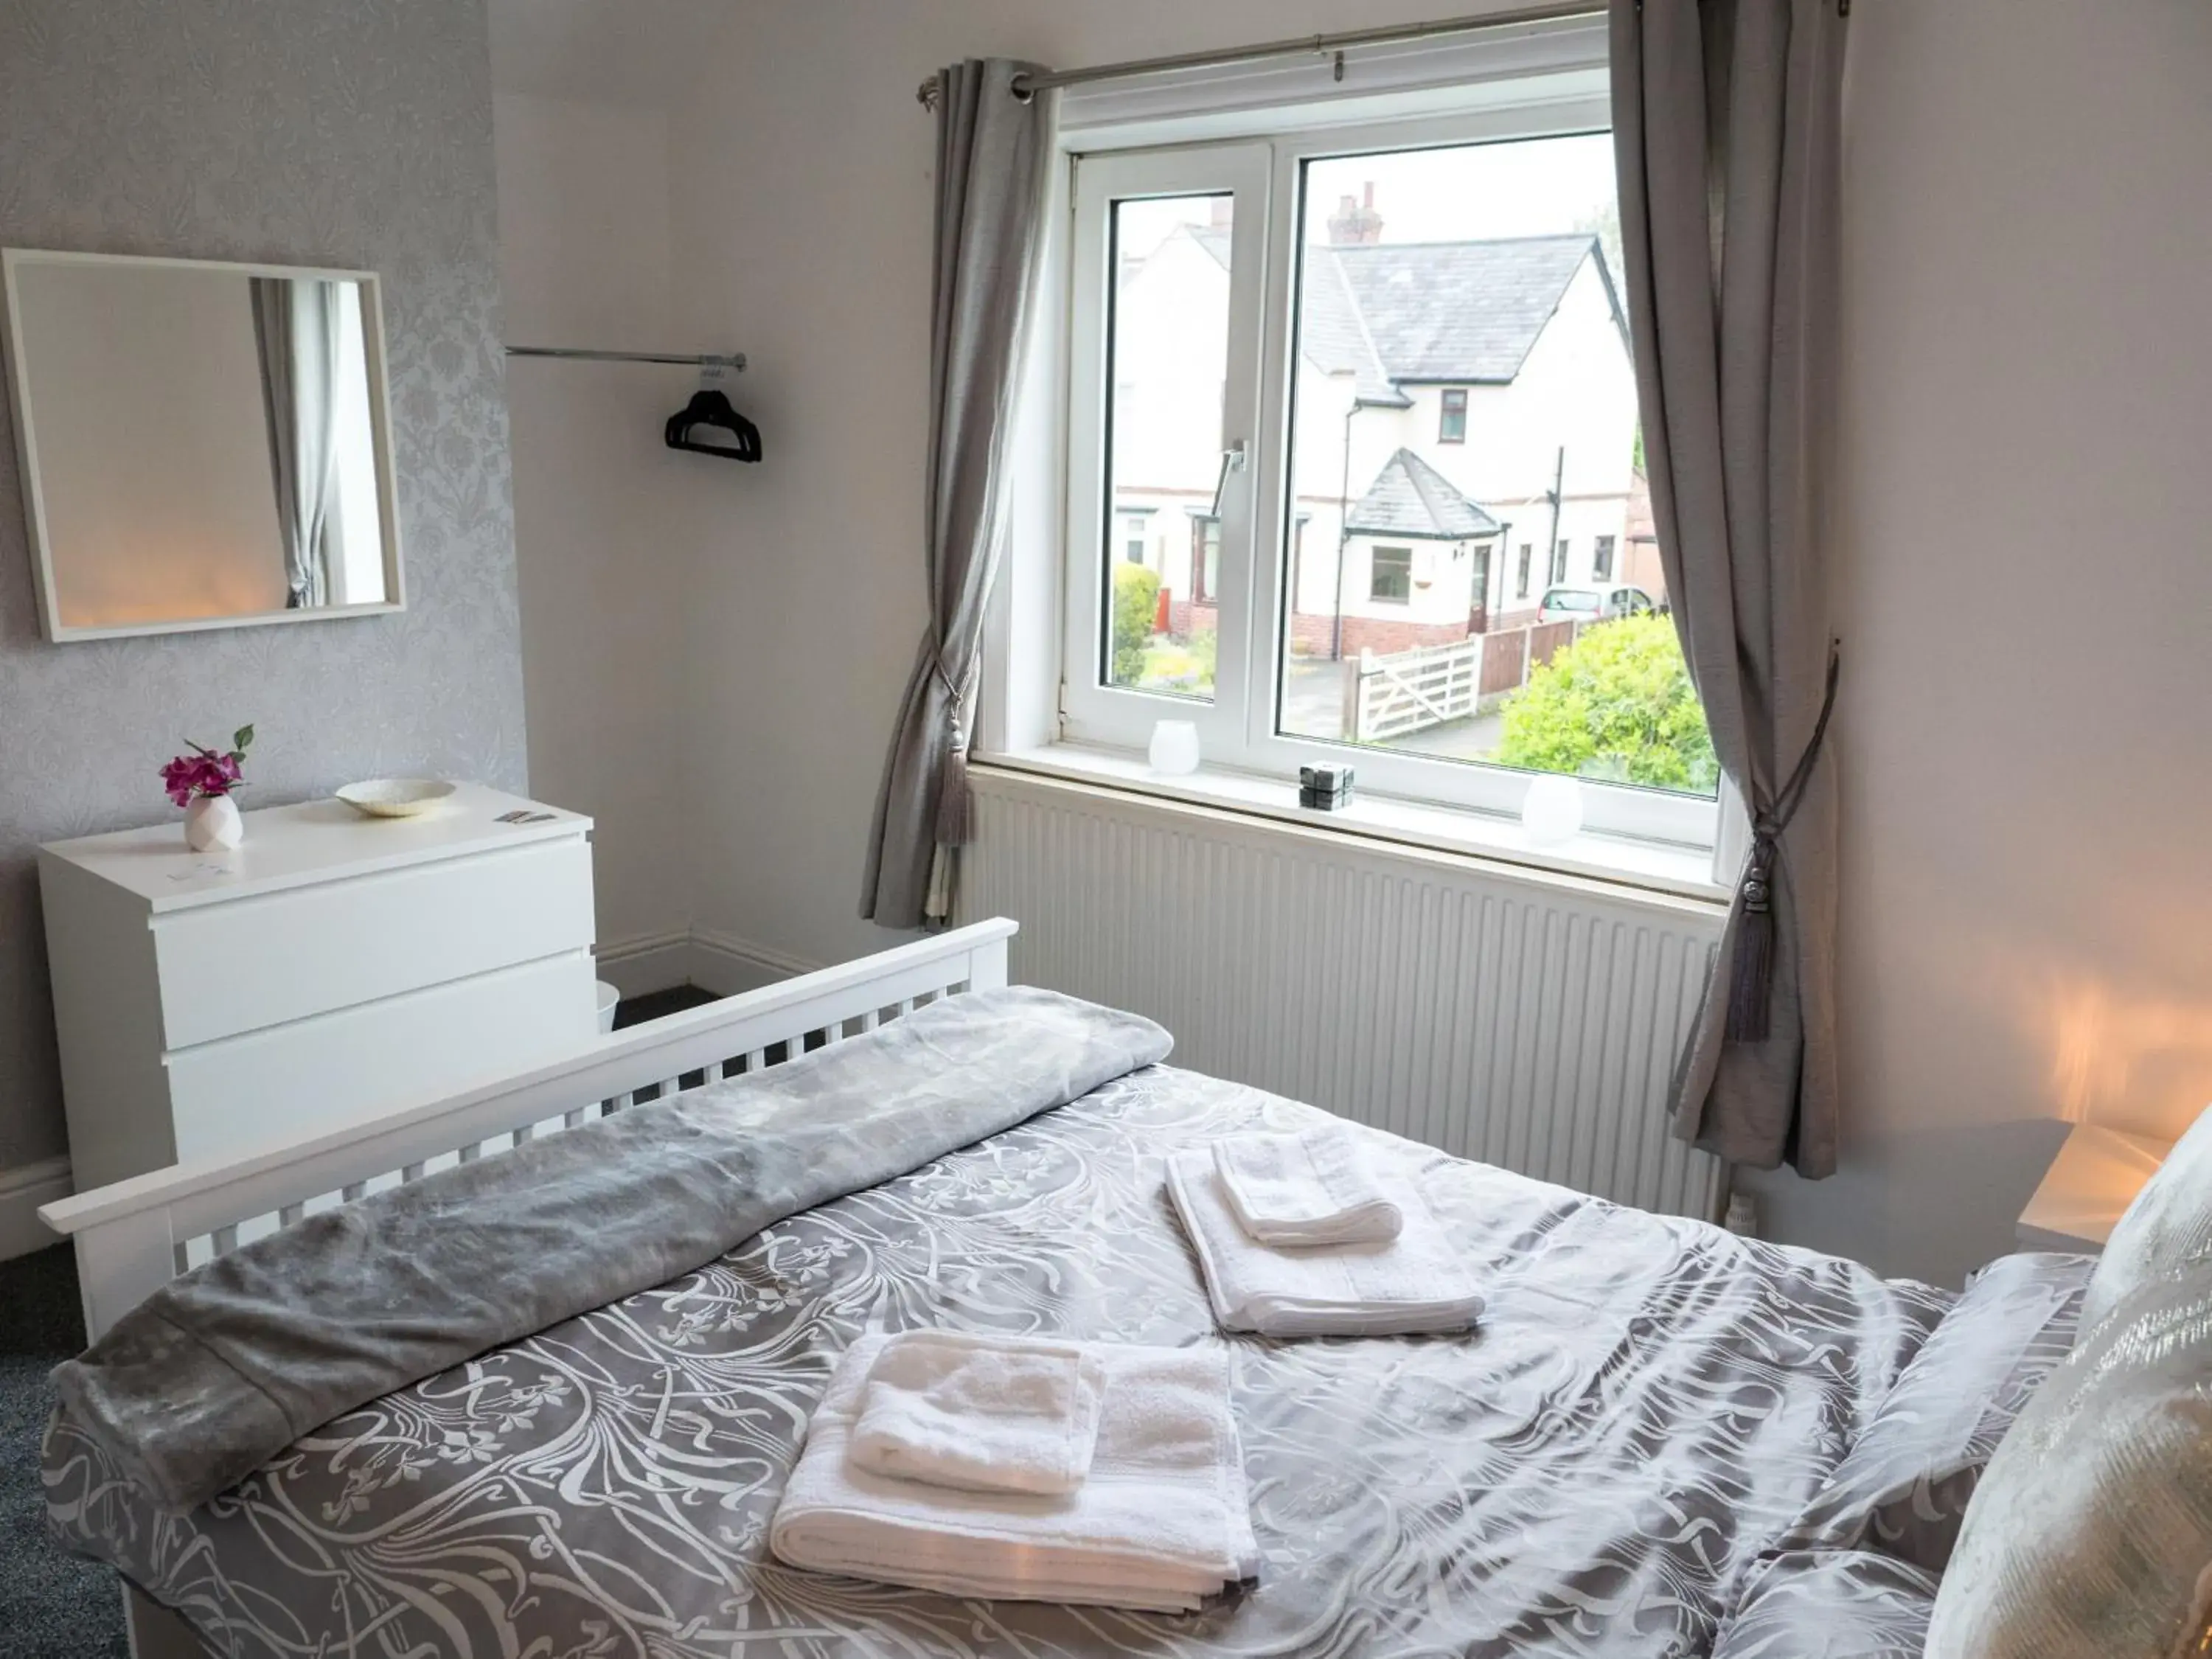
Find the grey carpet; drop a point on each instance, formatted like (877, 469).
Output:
(655, 1005)
(53, 1605)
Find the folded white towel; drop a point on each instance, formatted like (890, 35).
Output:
(1161, 1522)
(1312, 1188)
(984, 1413)
(1414, 1283)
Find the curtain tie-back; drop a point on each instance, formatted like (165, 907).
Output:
(1751, 983)
(955, 801)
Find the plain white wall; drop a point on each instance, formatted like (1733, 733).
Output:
(2021, 555)
(2026, 604)
(802, 217)
(584, 248)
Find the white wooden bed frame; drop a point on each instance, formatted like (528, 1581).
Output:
(135, 1235)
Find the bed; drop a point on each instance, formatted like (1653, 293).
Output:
(1606, 1468)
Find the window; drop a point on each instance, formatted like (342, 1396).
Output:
(1602, 561)
(1136, 537)
(1242, 353)
(1390, 575)
(1451, 415)
(1169, 335)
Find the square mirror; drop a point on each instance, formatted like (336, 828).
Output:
(203, 445)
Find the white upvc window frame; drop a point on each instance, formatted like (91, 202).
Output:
(1237, 728)
(1043, 707)
(1113, 715)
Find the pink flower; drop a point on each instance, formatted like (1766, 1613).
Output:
(204, 772)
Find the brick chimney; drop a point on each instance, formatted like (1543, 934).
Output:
(1356, 224)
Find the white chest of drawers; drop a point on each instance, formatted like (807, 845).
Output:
(330, 966)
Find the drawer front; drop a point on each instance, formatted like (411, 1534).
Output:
(277, 957)
(318, 1073)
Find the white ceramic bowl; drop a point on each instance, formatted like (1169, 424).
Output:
(395, 797)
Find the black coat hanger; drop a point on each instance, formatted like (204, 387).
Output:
(711, 407)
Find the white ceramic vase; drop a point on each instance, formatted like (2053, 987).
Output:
(1174, 752)
(212, 824)
(1551, 812)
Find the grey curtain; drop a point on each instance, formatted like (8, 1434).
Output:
(1727, 117)
(992, 150)
(295, 330)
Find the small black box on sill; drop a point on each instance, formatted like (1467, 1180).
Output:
(1324, 788)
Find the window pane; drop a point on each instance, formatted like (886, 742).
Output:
(1169, 356)
(1391, 575)
(1451, 425)
(1463, 473)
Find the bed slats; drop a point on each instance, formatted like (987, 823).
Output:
(192, 1252)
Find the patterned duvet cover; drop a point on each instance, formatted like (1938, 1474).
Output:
(1595, 1472)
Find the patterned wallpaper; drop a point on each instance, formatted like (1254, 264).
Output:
(335, 132)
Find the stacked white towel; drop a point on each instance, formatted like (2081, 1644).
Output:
(982, 1413)
(1160, 1521)
(1411, 1284)
(1311, 1187)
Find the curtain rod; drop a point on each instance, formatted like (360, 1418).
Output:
(1319, 45)
(726, 360)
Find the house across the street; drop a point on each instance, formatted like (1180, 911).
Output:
(1464, 432)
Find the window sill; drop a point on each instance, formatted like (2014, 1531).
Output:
(1653, 867)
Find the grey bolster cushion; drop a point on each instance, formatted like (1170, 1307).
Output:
(223, 1368)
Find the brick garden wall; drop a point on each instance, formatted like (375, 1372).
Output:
(1311, 632)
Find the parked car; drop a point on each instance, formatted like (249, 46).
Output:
(1592, 605)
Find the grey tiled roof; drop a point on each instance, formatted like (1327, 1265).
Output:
(1460, 312)
(1335, 335)
(1330, 331)
(1410, 498)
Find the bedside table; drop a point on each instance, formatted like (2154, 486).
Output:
(2095, 1176)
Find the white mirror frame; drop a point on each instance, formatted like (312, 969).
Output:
(26, 449)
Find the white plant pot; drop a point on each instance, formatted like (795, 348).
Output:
(213, 824)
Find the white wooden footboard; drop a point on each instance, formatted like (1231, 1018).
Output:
(135, 1235)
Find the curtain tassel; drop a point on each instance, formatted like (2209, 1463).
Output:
(955, 801)
(1752, 979)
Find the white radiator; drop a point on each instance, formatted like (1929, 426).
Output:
(1521, 1021)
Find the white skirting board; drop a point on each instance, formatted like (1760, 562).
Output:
(1504, 1015)
(22, 1189)
(649, 962)
(720, 963)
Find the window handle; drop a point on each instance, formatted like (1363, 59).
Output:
(1233, 459)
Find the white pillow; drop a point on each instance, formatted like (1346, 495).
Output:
(2090, 1536)
(2166, 1229)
